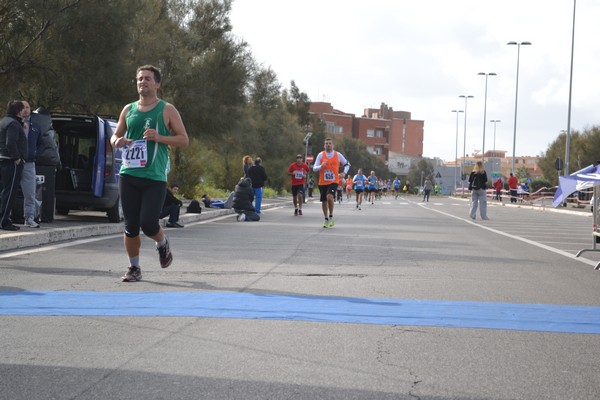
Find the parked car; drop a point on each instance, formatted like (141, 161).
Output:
(88, 179)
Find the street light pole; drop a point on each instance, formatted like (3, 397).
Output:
(485, 113)
(495, 157)
(516, 98)
(456, 152)
(462, 163)
(568, 141)
(305, 140)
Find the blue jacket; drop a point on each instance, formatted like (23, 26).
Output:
(35, 144)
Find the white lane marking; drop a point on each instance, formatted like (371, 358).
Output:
(522, 239)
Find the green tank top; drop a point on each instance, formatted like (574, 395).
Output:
(157, 154)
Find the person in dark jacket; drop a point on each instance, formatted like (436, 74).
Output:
(13, 152)
(478, 185)
(243, 196)
(48, 154)
(171, 207)
(246, 165)
(258, 176)
(33, 133)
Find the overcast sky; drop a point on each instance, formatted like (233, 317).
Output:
(420, 55)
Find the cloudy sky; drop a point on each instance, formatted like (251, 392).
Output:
(420, 55)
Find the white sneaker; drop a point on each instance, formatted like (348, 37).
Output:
(31, 223)
(242, 217)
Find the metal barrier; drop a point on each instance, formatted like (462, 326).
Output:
(543, 197)
(595, 228)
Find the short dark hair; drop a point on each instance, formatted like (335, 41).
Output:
(152, 68)
(14, 107)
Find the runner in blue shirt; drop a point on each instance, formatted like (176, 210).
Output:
(359, 187)
(372, 187)
(397, 187)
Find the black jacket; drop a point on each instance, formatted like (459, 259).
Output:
(243, 196)
(171, 199)
(258, 175)
(478, 181)
(13, 143)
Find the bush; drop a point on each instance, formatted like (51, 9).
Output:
(269, 192)
(538, 184)
(214, 193)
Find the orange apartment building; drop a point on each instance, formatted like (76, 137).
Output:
(392, 135)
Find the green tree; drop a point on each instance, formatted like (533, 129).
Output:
(297, 103)
(422, 168)
(522, 173)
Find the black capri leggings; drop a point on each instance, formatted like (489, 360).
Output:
(142, 201)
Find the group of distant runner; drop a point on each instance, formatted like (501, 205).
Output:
(332, 183)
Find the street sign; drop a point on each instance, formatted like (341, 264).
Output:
(558, 164)
(309, 158)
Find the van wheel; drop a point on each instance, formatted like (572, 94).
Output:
(113, 213)
(62, 211)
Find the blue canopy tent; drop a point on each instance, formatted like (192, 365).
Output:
(583, 179)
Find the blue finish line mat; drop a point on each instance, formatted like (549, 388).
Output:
(456, 314)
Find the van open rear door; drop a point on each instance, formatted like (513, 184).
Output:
(99, 157)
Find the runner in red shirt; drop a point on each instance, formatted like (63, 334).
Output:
(298, 171)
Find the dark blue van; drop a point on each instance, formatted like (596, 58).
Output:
(89, 177)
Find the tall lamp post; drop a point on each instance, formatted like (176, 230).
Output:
(484, 112)
(456, 152)
(516, 98)
(568, 141)
(494, 121)
(462, 163)
(306, 141)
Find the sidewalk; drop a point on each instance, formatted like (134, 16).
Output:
(84, 224)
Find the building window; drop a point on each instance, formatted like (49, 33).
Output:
(370, 133)
(333, 128)
(379, 133)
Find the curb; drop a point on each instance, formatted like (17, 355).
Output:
(29, 238)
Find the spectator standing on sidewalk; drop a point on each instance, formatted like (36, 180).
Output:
(246, 164)
(13, 152)
(513, 184)
(478, 186)
(498, 186)
(258, 175)
(427, 186)
(35, 145)
(311, 185)
(145, 130)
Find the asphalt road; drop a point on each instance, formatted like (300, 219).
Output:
(400, 300)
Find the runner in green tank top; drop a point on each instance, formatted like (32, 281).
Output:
(145, 130)
(157, 154)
